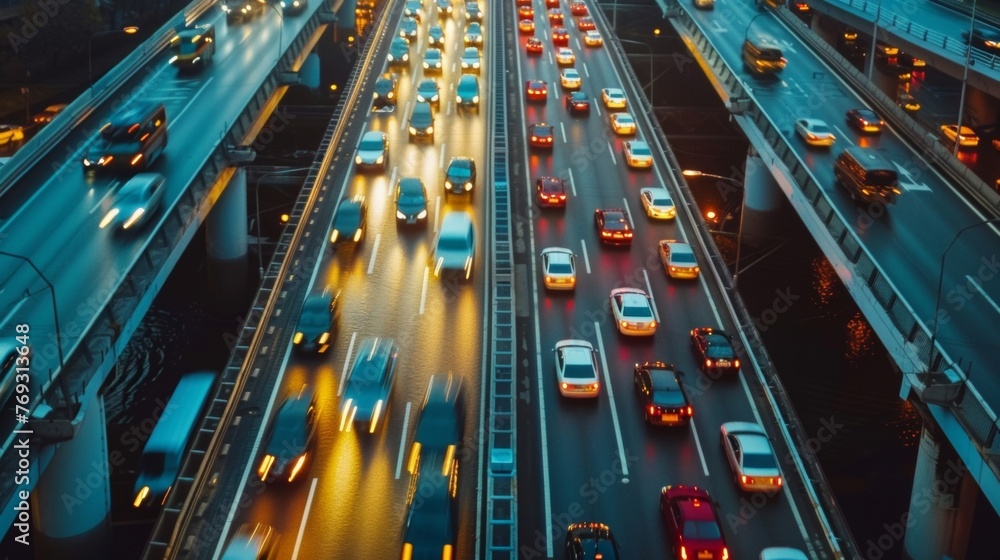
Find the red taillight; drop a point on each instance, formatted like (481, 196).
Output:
(652, 410)
(690, 411)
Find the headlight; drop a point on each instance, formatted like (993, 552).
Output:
(468, 186)
(430, 129)
(475, 99)
(422, 214)
(413, 130)
(447, 184)
(379, 160)
(458, 99)
(400, 215)
(334, 236)
(357, 160)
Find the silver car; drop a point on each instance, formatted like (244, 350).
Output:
(137, 199)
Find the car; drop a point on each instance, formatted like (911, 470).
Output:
(578, 8)
(467, 92)
(520, 3)
(411, 201)
(473, 12)
(982, 38)
(526, 13)
(865, 121)
(662, 396)
(556, 16)
(622, 124)
(439, 426)
(455, 248)
(550, 192)
(703, 4)
(751, 457)
(421, 122)
(317, 324)
(49, 113)
(678, 259)
(433, 61)
(408, 29)
(399, 51)
(373, 150)
(586, 24)
(428, 92)
(560, 36)
(435, 37)
(613, 226)
(570, 78)
(135, 202)
(614, 98)
(589, 541)
(252, 542)
(474, 35)
(349, 221)
(692, 524)
(715, 350)
(384, 98)
(242, 10)
(565, 56)
(289, 438)
(593, 38)
(413, 9)
(471, 60)
(526, 26)
(637, 154)
(11, 134)
(533, 46)
(908, 102)
(578, 102)
(966, 138)
(558, 268)
(782, 553)
(815, 132)
(536, 90)
(444, 7)
(460, 176)
(551, 3)
(369, 385)
(633, 311)
(541, 135)
(576, 369)
(658, 203)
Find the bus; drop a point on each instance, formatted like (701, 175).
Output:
(161, 458)
(195, 47)
(132, 140)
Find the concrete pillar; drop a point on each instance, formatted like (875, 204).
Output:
(309, 72)
(75, 494)
(763, 200)
(942, 504)
(226, 242)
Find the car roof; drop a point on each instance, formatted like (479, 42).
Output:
(558, 255)
(663, 378)
(698, 509)
(630, 299)
(577, 355)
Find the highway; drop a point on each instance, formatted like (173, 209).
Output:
(353, 497)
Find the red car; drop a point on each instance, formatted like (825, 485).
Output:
(551, 3)
(715, 349)
(586, 24)
(613, 226)
(578, 8)
(577, 102)
(541, 135)
(533, 45)
(536, 90)
(526, 12)
(560, 36)
(526, 26)
(550, 192)
(556, 16)
(692, 525)
(523, 3)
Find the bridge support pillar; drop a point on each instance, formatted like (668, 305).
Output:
(942, 504)
(309, 72)
(763, 198)
(226, 240)
(74, 492)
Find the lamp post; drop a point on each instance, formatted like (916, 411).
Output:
(965, 81)
(281, 26)
(743, 200)
(871, 58)
(937, 301)
(651, 77)
(746, 34)
(256, 192)
(128, 30)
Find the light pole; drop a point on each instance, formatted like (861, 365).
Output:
(256, 192)
(746, 34)
(937, 302)
(743, 201)
(281, 26)
(965, 81)
(128, 30)
(651, 77)
(871, 58)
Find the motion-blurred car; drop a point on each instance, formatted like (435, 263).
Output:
(474, 35)
(565, 56)
(317, 323)
(782, 553)
(369, 385)
(691, 523)
(349, 221)
(715, 350)
(613, 98)
(427, 92)
(586, 24)
(471, 60)
(576, 369)
(570, 78)
(533, 46)
(612, 226)
(551, 4)
(622, 124)
(815, 132)
(577, 103)
(578, 8)
(662, 396)
(411, 201)
(439, 426)
(408, 30)
(526, 26)
(135, 201)
(703, 4)
(751, 457)
(384, 97)
(11, 134)
(413, 9)
(536, 90)
(373, 151)
(865, 120)
(293, 7)
(467, 92)
(560, 36)
(252, 542)
(558, 268)
(460, 176)
(399, 52)
(637, 154)
(983, 38)
(966, 138)
(473, 11)
(433, 61)
(678, 259)
(444, 7)
(541, 135)
(455, 248)
(908, 102)
(593, 38)
(590, 541)
(658, 203)
(242, 10)
(550, 192)
(421, 122)
(47, 114)
(435, 37)
(526, 13)
(556, 16)
(633, 311)
(289, 438)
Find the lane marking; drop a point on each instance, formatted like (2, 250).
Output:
(347, 363)
(437, 211)
(423, 289)
(628, 213)
(562, 129)
(611, 397)
(597, 106)
(371, 261)
(402, 118)
(402, 440)
(585, 70)
(392, 181)
(572, 183)
(305, 517)
(611, 152)
(697, 443)
(441, 159)
(586, 258)
(649, 290)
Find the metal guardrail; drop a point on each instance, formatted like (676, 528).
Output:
(501, 483)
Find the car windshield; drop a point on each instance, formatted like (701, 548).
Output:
(560, 268)
(683, 258)
(820, 129)
(758, 461)
(371, 144)
(641, 150)
(640, 311)
(460, 170)
(348, 216)
(289, 435)
(671, 396)
(578, 371)
(615, 221)
(452, 243)
(701, 530)
(624, 119)
(411, 195)
(662, 201)
(881, 178)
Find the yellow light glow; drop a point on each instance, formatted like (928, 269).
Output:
(141, 496)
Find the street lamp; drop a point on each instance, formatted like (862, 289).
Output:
(871, 59)
(965, 81)
(937, 302)
(651, 77)
(746, 34)
(256, 192)
(743, 200)
(128, 30)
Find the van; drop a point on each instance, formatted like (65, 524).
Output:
(456, 245)
(867, 175)
(762, 55)
(195, 47)
(422, 121)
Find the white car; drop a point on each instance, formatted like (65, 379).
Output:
(637, 154)
(623, 124)
(565, 56)
(373, 150)
(815, 132)
(592, 38)
(633, 311)
(576, 369)
(559, 268)
(658, 204)
(751, 457)
(137, 199)
(678, 259)
(614, 98)
(433, 61)
(474, 35)
(570, 79)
